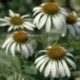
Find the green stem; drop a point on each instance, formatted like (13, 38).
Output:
(51, 78)
(45, 39)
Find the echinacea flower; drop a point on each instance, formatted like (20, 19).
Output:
(55, 62)
(20, 42)
(49, 14)
(15, 21)
(72, 24)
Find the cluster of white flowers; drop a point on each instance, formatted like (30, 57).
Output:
(48, 16)
(19, 40)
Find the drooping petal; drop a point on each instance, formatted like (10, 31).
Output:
(36, 12)
(48, 69)
(53, 69)
(37, 18)
(30, 48)
(55, 23)
(71, 63)
(39, 58)
(24, 51)
(36, 8)
(42, 21)
(67, 71)
(18, 48)
(72, 30)
(48, 24)
(13, 49)
(42, 51)
(8, 47)
(40, 62)
(6, 42)
(61, 69)
(43, 65)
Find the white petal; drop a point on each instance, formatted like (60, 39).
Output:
(3, 20)
(38, 11)
(43, 65)
(18, 47)
(59, 22)
(61, 69)
(21, 26)
(4, 24)
(56, 24)
(57, 69)
(29, 24)
(67, 71)
(48, 69)
(24, 16)
(37, 18)
(62, 19)
(30, 48)
(42, 21)
(7, 47)
(71, 63)
(15, 27)
(53, 69)
(36, 8)
(48, 24)
(25, 51)
(16, 14)
(13, 47)
(6, 42)
(28, 27)
(10, 28)
(7, 18)
(40, 62)
(42, 51)
(39, 58)
(72, 30)
(69, 54)
(74, 13)
(11, 13)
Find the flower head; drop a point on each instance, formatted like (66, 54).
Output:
(20, 36)
(55, 62)
(72, 24)
(56, 52)
(15, 21)
(49, 14)
(51, 8)
(19, 42)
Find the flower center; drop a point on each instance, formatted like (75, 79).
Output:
(20, 36)
(16, 20)
(51, 8)
(56, 52)
(71, 19)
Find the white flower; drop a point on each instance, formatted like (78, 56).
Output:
(72, 24)
(19, 42)
(55, 62)
(48, 15)
(15, 21)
